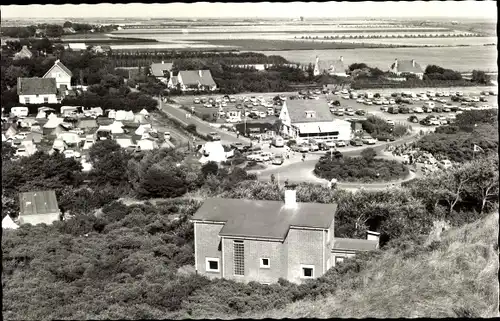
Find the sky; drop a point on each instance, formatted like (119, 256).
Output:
(368, 9)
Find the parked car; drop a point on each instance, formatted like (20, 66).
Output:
(446, 109)
(390, 122)
(77, 131)
(69, 153)
(404, 110)
(213, 136)
(277, 160)
(418, 110)
(340, 143)
(254, 156)
(393, 110)
(356, 142)
(326, 145)
(444, 164)
(384, 108)
(339, 113)
(196, 100)
(368, 140)
(303, 148)
(413, 119)
(437, 109)
(313, 147)
(265, 157)
(349, 112)
(360, 112)
(386, 138)
(360, 100)
(278, 141)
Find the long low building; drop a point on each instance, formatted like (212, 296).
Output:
(303, 120)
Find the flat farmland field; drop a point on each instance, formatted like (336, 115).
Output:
(462, 59)
(453, 41)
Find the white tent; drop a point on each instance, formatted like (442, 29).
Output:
(69, 138)
(8, 223)
(86, 166)
(59, 145)
(144, 112)
(117, 127)
(41, 115)
(53, 121)
(141, 119)
(213, 151)
(97, 111)
(112, 113)
(124, 115)
(142, 129)
(124, 142)
(147, 144)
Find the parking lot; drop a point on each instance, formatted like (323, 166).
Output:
(372, 109)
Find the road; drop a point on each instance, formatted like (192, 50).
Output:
(296, 171)
(201, 126)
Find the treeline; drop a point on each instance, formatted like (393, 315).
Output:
(53, 30)
(228, 58)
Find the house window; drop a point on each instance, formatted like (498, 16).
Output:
(265, 263)
(26, 100)
(45, 100)
(212, 264)
(307, 271)
(339, 260)
(239, 258)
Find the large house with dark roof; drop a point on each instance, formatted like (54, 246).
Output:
(61, 73)
(330, 67)
(190, 80)
(400, 67)
(305, 119)
(37, 90)
(162, 71)
(249, 240)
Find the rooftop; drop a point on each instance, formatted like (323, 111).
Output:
(158, 68)
(39, 202)
(297, 110)
(354, 244)
(266, 219)
(36, 86)
(192, 77)
(407, 66)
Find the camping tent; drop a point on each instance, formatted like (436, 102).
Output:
(124, 115)
(112, 113)
(147, 144)
(41, 115)
(53, 122)
(213, 151)
(69, 138)
(142, 129)
(59, 145)
(116, 127)
(8, 223)
(144, 112)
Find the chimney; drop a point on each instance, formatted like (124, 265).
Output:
(25, 47)
(162, 62)
(290, 197)
(396, 63)
(342, 58)
(57, 61)
(373, 236)
(317, 59)
(199, 73)
(413, 62)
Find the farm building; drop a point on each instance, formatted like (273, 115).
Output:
(248, 240)
(162, 71)
(303, 120)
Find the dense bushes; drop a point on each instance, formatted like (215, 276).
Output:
(365, 168)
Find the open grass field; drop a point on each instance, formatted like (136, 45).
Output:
(457, 278)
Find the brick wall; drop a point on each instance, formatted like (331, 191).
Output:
(254, 251)
(207, 245)
(304, 247)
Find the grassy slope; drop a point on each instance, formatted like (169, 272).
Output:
(458, 278)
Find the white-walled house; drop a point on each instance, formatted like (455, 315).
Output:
(400, 67)
(37, 91)
(190, 80)
(303, 120)
(61, 73)
(330, 67)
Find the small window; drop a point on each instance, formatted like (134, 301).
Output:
(212, 264)
(339, 260)
(265, 263)
(46, 100)
(26, 100)
(307, 271)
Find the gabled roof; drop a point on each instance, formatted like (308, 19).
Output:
(192, 77)
(39, 202)
(59, 64)
(158, 68)
(354, 244)
(8, 223)
(335, 66)
(36, 86)
(266, 219)
(297, 110)
(24, 52)
(407, 66)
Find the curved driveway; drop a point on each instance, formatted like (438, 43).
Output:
(299, 171)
